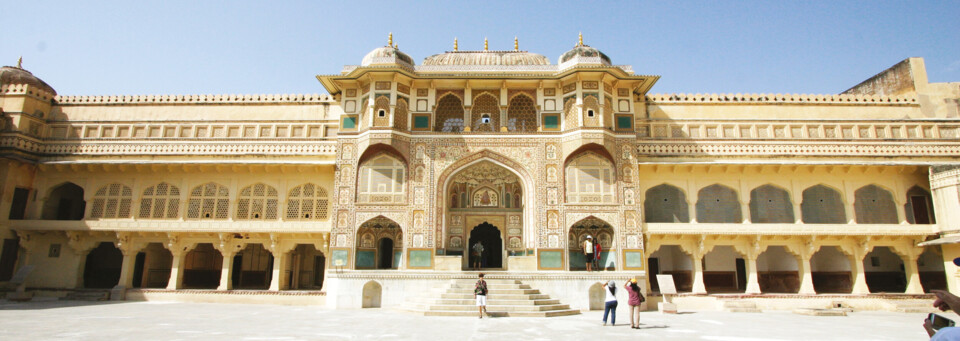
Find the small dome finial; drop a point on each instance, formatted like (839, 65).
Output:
(20, 62)
(485, 43)
(580, 42)
(516, 43)
(390, 40)
(455, 47)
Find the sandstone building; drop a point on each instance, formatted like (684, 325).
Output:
(363, 196)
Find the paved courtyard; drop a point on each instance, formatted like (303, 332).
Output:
(72, 320)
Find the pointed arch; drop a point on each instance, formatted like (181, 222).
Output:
(209, 201)
(718, 204)
(308, 201)
(771, 204)
(401, 114)
(875, 205)
(64, 201)
(449, 114)
(112, 201)
(822, 205)
(381, 111)
(258, 201)
(665, 203)
(160, 201)
(485, 113)
(590, 178)
(381, 179)
(522, 113)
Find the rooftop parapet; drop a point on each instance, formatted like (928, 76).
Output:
(780, 98)
(195, 99)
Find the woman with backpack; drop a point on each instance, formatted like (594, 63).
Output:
(610, 307)
(634, 300)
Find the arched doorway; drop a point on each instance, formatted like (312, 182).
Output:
(601, 233)
(484, 188)
(385, 252)
(379, 244)
(64, 203)
(488, 236)
(102, 270)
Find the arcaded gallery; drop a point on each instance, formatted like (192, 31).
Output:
(385, 184)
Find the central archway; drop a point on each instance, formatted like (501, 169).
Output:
(485, 187)
(488, 236)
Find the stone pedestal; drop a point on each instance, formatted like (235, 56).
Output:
(667, 308)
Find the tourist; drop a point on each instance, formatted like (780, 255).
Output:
(596, 256)
(588, 251)
(480, 293)
(477, 255)
(945, 301)
(634, 301)
(610, 307)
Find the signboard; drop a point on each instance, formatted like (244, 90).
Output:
(666, 285)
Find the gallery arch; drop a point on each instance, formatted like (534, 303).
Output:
(671, 260)
(666, 204)
(724, 270)
(202, 267)
(379, 244)
(875, 205)
(65, 202)
(449, 114)
(102, 267)
(600, 232)
(884, 271)
(931, 270)
(822, 205)
(152, 267)
(831, 271)
(252, 267)
(771, 204)
(718, 204)
(778, 271)
(522, 114)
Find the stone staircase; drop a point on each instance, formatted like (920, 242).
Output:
(740, 306)
(87, 295)
(505, 298)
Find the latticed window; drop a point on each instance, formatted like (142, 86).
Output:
(449, 114)
(486, 113)
(590, 179)
(381, 111)
(112, 201)
(257, 202)
(308, 202)
(400, 114)
(608, 113)
(522, 114)
(591, 111)
(209, 201)
(381, 181)
(161, 201)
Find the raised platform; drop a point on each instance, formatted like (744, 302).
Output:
(287, 297)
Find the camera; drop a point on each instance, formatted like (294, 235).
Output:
(937, 321)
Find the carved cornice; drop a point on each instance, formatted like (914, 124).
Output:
(195, 99)
(779, 99)
(847, 150)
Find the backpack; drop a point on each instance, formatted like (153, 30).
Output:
(481, 288)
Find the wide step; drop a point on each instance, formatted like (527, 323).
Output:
(505, 298)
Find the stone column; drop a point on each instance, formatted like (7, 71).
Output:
(698, 286)
(280, 260)
(806, 275)
(912, 272)
(859, 275)
(126, 269)
(176, 269)
(753, 281)
(226, 271)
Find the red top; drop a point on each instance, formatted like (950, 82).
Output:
(634, 298)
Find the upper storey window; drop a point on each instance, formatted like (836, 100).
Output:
(209, 201)
(112, 201)
(308, 202)
(449, 114)
(257, 202)
(522, 114)
(161, 201)
(381, 181)
(590, 179)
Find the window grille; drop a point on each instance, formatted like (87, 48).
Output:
(257, 202)
(112, 201)
(308, 202)
(161, 201)
(209, 201)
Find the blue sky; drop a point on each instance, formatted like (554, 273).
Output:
(208, 47)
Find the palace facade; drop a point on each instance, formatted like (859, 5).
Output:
(363, 196)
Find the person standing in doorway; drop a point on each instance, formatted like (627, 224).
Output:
(477, 255)
(610, 307)
(588, 251)
(480, 293)
(634, 300)
(596, 255)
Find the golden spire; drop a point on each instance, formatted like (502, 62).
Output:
(20, 62)
(485, 43)
(516, 44)
(580, 43)
(390, 40)
(455, 47)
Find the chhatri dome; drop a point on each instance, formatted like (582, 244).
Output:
(487, 57)
(387, 55)
(583, 54)
(17, 75)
